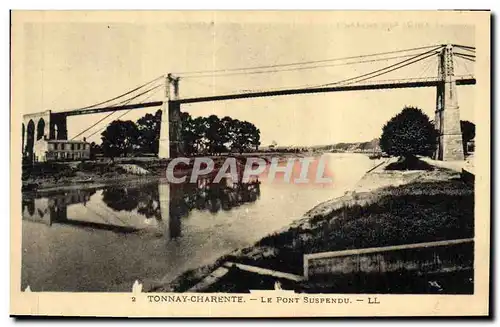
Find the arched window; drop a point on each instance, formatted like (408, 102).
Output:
(30, 138)
(40, 129)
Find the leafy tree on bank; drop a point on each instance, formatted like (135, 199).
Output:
(246, 137)
(194, 134)
(119, 139)
(211, 135)
(188, 133)
(148, 127)
(408, 134)
(216, 134)
(201, 135)
(468, 132)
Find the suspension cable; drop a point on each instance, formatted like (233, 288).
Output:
(122, 95)
(99, 130)
(297, 68)
(426, 68)
(382, 71)
(433, 52)
(123, 102)
(465, 47)
(100, 120)
(301, 63)
(466, 58)
(461, 63)
(465, 54)
(393, 69)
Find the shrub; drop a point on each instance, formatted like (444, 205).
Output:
(408, 134)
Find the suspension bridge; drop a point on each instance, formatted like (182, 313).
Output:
(445, 58)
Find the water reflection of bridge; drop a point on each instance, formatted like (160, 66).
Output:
(160, 205)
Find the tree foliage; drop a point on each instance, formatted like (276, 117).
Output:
(409, 133)
(149, 132)
(201, 135)
(246, 137)
(211, 135)
(119, 138)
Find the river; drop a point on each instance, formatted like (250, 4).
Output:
(103, 239)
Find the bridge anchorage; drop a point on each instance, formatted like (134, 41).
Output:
(447, 114)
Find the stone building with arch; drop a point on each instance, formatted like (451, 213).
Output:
(45, 138)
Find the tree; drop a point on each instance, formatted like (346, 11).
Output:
(216, 135)
(149, 132)
(408, 134)
(246, 136)
(188, 135)
(119, 138)
(201, 142)
(213, 135)
(228, 129)
(95, 149)
(468, 132)
(193, 134)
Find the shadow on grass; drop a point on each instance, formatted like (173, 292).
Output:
(411, 163)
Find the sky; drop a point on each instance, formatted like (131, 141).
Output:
(71, 64)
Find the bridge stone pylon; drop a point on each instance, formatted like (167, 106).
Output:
(170, 143)
(447, 122)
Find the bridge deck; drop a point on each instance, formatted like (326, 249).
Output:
(341, 88)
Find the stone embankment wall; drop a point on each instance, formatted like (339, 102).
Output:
(431, 257)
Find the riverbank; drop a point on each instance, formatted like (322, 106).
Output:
(91, 174)
(68, 176)
(386, 207)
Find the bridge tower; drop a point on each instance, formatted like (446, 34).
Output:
(170, 144)
(447, 122)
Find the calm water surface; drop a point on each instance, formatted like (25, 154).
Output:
(104, 239)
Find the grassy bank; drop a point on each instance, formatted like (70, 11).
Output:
(432, 205)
